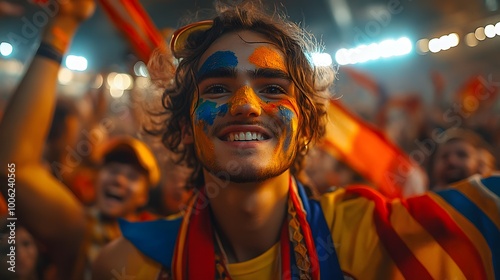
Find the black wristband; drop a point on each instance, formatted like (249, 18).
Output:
(49, 52)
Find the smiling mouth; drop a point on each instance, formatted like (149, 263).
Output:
(112, 196)
(245, 136)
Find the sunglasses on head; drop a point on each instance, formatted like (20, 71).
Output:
(179, 38)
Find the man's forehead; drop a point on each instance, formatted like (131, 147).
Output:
(237, 48)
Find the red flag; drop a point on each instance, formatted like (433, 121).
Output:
(476, 92)
(130, 17)
(370, 153)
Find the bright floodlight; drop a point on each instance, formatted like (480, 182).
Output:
(374, 51)
(497, 28)
(404, 46)
(434, 45)
(76, 63)
(453, 39)
(489, 31)
(5, 48)
(321, 59)
(341, 56)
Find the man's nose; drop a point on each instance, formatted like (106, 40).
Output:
(245, 103)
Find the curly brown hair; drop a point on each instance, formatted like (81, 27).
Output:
(180, 87)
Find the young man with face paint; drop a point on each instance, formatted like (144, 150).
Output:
(245, 103)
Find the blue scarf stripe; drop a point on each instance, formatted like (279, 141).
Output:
(327, 256)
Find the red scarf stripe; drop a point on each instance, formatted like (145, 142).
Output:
(306, 231)
(286, 271)
(407, 263)
(200, 248)
(441, 226)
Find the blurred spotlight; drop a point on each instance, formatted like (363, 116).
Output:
(64, 76)
(470, 40)
(444, 43)
(122, 81)
(453, 39)
(5, 49)
(116, 92)
(342, 56)
(497, 28)
(76, 63)
(385, 49)
(110, 79)
(140, 69)
(489, 31)
(98, 81)
(479, 33)
(423, 45)
(321, 59)
(434, 45)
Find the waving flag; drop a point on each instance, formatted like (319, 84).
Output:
(365, 149)
(130, 17)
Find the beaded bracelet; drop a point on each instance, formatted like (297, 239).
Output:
(49, 52)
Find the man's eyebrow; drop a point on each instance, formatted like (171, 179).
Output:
(222, 72)
(268, 73)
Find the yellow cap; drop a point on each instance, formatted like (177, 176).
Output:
(140, 150)
(179, 38)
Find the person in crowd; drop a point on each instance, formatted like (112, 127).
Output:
(71, 232)
(460, 154)
(20, 258)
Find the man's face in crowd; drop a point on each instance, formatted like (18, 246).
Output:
(455, 160)
(121, 189)
(246, 117)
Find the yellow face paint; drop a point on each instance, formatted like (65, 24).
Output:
(244, 95)
(266, 57)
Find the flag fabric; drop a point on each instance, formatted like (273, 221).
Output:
(476, 92)
(132, 20)
(369, 152)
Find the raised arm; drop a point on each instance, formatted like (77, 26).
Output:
(47, 208)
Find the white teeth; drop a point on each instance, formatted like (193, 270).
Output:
(245, 136)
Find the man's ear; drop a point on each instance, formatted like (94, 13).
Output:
(187, 134)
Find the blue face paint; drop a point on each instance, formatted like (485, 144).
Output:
(207, 111)
(287, 115)
(220, 59)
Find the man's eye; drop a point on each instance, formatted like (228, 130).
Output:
(216, 89)
(274, 89)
